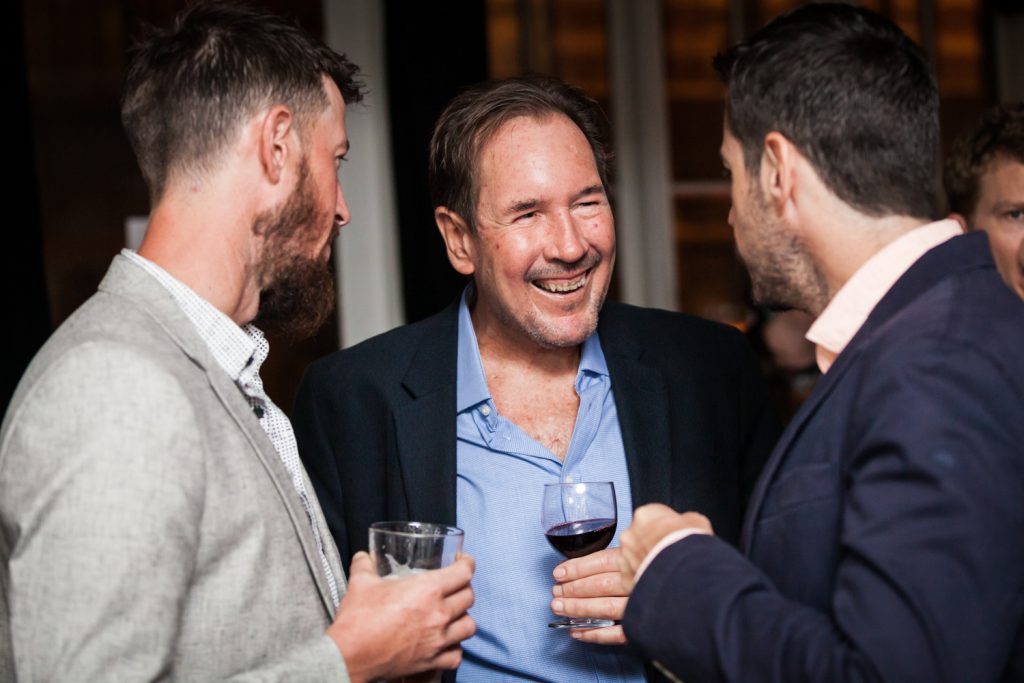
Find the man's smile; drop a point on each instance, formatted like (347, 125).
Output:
(563, 285)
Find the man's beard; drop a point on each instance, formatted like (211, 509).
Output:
(297, 290)
(783, 275)
(772, 276)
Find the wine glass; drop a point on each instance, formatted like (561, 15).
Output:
(579, 519)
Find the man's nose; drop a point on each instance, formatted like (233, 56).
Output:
(341, 213)
(567, 241)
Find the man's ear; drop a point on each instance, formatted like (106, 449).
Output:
(276, 142)
(962, 220)
(778, 169)
(458, 240)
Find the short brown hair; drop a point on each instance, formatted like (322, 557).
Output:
(190, 86)
(998, 134)
(473, 117)
(855, 95)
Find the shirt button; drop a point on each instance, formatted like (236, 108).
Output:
(485, 411)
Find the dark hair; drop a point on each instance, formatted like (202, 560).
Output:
(190, 86)
(474, 116)
(998, 135)
(853, 93)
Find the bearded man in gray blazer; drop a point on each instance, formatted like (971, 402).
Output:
(155, 521)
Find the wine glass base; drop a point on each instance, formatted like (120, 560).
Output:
(581, 623)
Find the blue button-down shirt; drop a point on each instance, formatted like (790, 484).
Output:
(501, 477)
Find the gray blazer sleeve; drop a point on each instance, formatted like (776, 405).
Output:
(102, 478)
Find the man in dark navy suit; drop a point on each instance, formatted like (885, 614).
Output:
(885, 538)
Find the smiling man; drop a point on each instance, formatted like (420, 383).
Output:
(155, 520)
(531, 378)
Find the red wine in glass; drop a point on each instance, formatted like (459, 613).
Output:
(576, 539)
(579, 519)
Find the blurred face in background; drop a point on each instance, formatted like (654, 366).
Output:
(999, 211)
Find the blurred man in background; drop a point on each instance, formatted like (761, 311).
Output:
(985, 185)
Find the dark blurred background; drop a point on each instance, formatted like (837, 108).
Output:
(79, 181)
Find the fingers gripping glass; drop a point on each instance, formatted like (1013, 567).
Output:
(579, 519)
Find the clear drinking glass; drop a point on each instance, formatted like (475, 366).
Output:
(400, 549)
(405, 548)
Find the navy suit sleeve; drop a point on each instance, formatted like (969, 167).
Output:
(929, 584)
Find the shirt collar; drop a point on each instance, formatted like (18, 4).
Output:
(240, 351)
(471, 384)
(592, 357)
(846, 313)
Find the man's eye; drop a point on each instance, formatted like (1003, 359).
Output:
(1015, 215)
(726, 174)
(528, 215)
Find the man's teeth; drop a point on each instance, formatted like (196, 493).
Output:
(563, 286)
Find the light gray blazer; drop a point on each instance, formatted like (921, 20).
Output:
(148, 529)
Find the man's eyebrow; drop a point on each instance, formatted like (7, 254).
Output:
(1008, 205)
(592, 189)
(523, 205)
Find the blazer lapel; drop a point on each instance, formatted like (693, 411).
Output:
(131, 282)
(238, 407)
(641, 401)
(825, 385)
(425, 427)
(946, 260)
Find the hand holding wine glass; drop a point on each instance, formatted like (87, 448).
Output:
(592, 586)
(580, 519)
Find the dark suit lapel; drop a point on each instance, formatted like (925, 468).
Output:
(641, 401)
(825, 385)
(425, 427)
(946, 260)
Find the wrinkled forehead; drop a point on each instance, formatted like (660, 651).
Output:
(503, 140)
(494, 131)
(538, 155)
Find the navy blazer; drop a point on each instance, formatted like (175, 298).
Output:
(376, 426)
(886, 534)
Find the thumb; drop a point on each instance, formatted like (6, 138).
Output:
(361, 564)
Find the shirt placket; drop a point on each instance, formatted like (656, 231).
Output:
(279, 430)
(585, 431)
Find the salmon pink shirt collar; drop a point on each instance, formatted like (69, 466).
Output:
(850, 307)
